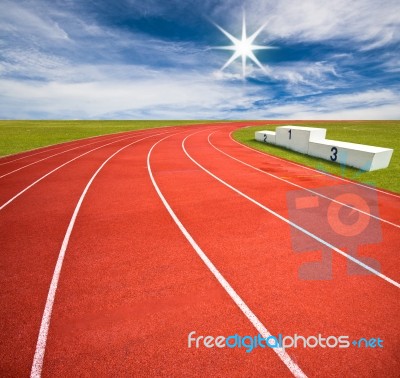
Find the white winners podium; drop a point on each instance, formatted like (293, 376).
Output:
(311, 141)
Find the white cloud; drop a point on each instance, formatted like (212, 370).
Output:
(371, 97)
(147, 91)
(19, 20)
(383, 38)
(373, 23)
(379, 104)
(381, 112)
(32, 63)
(315, 74)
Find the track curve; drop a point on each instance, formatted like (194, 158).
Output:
(132, 287)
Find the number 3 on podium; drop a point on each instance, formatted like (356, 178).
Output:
(334, 153)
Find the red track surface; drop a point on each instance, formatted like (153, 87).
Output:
(132, 287)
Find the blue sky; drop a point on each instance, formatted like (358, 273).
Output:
(154, 59)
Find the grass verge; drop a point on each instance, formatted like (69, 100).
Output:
(18, 136)
(376, 133)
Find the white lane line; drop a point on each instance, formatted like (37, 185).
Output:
(37, 364)
(27, 156)
(56, 169)
(48, 157)
(312, 169)
(293, 367)
(315, 237)
(299, 186)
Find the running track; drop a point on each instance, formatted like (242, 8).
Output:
(114, 248)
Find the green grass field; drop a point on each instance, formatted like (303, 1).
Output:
(17, 136)
(377, 133)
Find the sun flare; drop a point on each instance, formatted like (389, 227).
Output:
(243, 48)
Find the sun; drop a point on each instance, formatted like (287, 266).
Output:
(243, 48)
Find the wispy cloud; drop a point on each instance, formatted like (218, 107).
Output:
(365, 21)
(17, 20)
